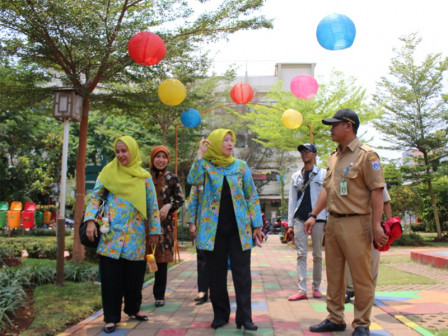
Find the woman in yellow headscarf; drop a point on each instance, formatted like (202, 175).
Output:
(229, 222)
(131, 199)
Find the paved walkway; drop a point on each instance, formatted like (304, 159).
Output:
(274, 279)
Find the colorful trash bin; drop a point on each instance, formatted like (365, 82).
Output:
(28, 215)
(14, 215)
(47, 218)
(4, 206)
(38, 218)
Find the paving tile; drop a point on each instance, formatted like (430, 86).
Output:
(274, 278)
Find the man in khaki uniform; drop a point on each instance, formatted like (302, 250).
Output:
(353, 196)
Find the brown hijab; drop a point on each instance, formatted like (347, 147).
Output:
(156, 150)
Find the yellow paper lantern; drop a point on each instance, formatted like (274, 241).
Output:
(172, 92)
(292, 118)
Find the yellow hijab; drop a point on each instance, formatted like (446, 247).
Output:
(128, 182)
(214, 150)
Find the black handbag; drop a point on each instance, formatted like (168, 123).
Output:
(83, 226)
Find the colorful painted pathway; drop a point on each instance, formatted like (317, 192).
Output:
(274, 279)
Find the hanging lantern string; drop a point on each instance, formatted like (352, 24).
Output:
(224, 105)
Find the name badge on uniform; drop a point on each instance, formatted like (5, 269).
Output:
(343, 188)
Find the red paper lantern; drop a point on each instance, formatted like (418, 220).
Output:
(304, 86)
(146, 48)
(242, 93)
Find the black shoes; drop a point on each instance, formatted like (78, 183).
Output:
(160, 303)
(201, 299)
(248, 325)
(139, 317)
(218, 323)
(361, 331)
(348, 296)
(327, 325)
(109, 329)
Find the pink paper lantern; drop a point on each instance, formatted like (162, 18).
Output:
(304, 86)
(242, 93)
(146, 48)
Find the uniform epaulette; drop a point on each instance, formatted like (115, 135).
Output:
(367, 148)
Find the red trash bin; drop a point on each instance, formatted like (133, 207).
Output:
(28, 215)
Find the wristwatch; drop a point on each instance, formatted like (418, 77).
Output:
(311, 215)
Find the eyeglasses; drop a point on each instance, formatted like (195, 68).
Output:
(305, 151)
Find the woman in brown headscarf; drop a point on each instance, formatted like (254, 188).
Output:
(170, 198)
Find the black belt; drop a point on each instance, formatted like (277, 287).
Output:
(342, 215)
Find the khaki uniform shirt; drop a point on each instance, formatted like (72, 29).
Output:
(360, 166)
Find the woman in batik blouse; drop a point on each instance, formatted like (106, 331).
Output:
(170, 198)
(230, 220)
(131, 200)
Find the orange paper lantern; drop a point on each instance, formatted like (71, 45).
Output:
(146, 48)
(242, 93)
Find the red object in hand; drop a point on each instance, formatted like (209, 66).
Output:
(392, 229)
(146, 48)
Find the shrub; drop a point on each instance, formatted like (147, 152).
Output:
(7, 258)
(409, 239)
(14, 281)
(418, 227)
(12, 295)
(45, 247)
(80, 272)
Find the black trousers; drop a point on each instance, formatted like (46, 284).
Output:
(217, 264)
(160, 279)
(121, 278)
(203, 275)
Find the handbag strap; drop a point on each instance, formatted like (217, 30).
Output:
(301, 190)
(103, 202)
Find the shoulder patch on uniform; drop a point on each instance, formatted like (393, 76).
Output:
(376, 165)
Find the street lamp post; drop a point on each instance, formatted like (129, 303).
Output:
(67, 107)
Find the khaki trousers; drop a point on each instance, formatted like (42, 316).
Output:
(349, 239)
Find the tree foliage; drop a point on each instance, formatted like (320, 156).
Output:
(339, 92)
(85, 42)
(30, 149)
(415, 113)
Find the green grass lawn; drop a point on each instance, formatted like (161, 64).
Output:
(389, 276)
(68, 305)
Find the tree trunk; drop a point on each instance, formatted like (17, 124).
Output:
(436, 212)
(78, 249)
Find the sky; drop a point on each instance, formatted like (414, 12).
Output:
(379, 25)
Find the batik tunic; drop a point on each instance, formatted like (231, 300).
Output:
(168, 192)
(244, 198)
(126, 236)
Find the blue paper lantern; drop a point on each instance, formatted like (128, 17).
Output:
(190, 118)
(336, 32)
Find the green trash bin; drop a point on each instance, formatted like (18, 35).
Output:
(3, 211)
(2, 219)
(38, 218)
